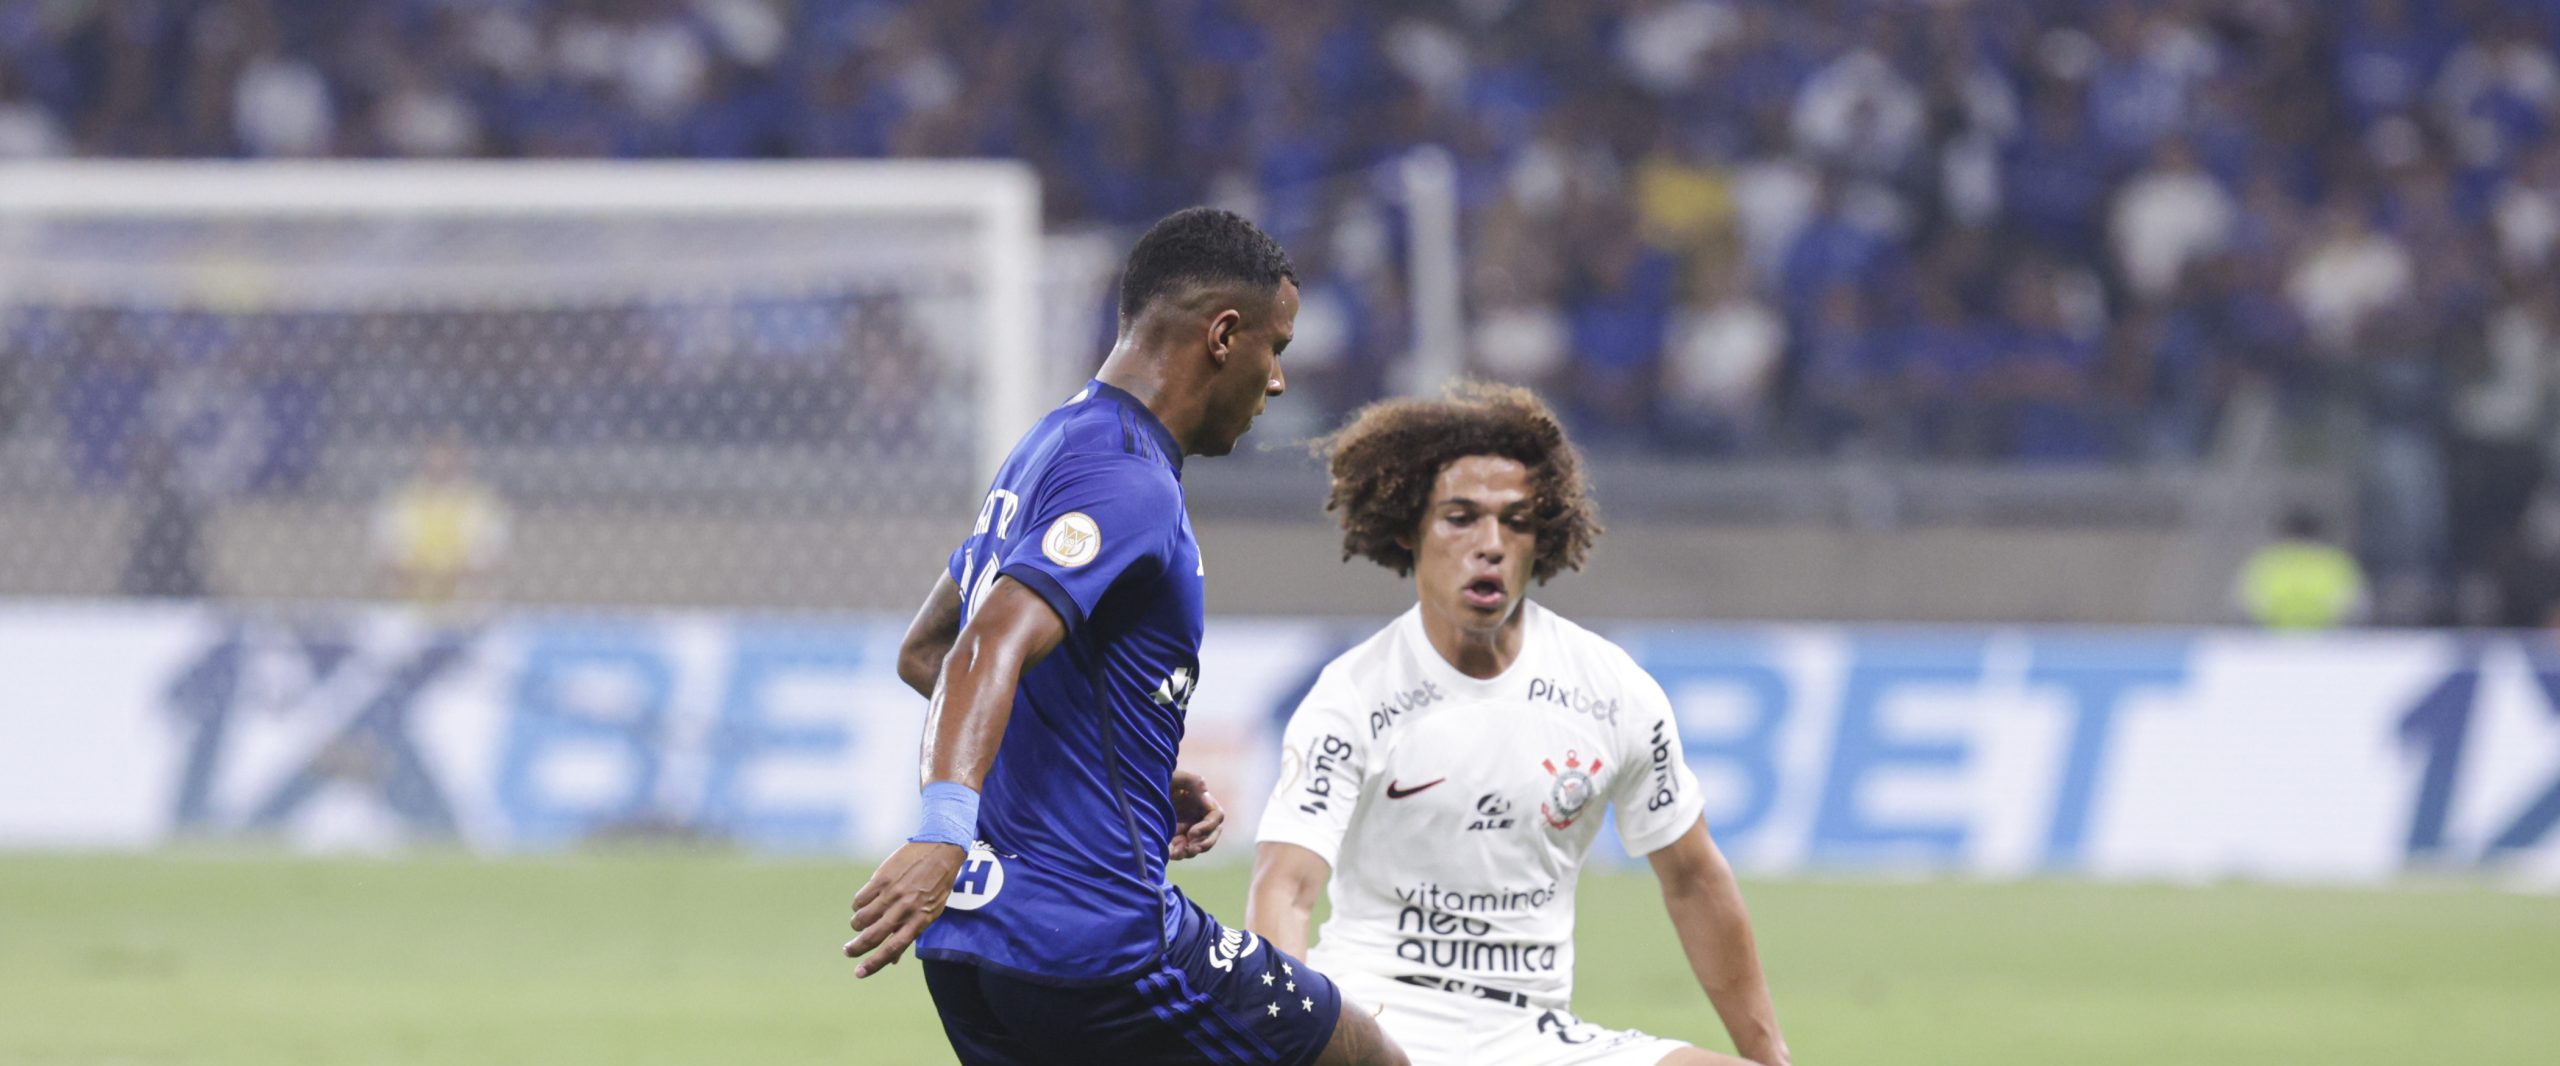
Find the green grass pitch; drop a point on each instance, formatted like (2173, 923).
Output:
(635, 959)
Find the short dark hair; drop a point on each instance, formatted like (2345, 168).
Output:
(1386, 459)
(1200, 246)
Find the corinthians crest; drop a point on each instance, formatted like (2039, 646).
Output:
(1570, 792)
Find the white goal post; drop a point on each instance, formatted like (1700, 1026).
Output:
(761, 384)
(1000, 200)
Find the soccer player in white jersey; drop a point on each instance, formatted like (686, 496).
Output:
(1448, 775)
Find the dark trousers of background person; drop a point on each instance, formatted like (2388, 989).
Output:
(2489, 484)
(2403, 508)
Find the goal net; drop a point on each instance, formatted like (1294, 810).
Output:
(768, 385)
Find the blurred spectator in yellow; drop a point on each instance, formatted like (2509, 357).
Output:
(1683, 199)
(2300, 580)
(439, 537)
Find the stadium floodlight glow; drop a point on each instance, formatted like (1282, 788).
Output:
(998, 201)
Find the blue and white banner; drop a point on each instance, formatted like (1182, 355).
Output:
(2141, 754)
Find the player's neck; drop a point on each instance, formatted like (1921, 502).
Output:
(1151, 381)
(1482, 654)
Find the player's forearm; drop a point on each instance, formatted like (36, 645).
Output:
(1715, 934)
(930, 635)
(1280, 906)
(971, 706)
(1280, 914)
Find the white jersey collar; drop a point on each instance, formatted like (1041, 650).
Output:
(1533, 642)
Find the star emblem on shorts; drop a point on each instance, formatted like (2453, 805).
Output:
(1288, 969)
(1266, 980)
(1293, 986)
(1275, 1010)
(1307, 1005)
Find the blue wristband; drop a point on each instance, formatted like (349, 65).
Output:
(950, 815)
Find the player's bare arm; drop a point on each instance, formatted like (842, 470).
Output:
(1705, 901)
(1287, 881)
(972, 703)
(930, 635)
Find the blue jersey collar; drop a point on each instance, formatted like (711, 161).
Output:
(1144, 418)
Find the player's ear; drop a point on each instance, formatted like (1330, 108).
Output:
(1226, 329)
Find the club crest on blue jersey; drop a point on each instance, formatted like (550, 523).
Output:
(1073, 540)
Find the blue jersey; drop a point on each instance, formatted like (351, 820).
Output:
(1066, 884)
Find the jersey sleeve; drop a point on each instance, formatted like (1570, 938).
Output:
(1657, 797)
(1323, 761)
(1095, 522)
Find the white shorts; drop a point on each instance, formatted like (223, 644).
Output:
(1456, 1027)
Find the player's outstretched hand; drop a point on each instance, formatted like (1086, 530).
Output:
(1197, 817)
(903, 896)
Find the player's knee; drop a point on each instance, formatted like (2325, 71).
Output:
(1387, 1053)
(1691, 1056)
(1358, 1040)
(1382, 1049)
(1379, 1049)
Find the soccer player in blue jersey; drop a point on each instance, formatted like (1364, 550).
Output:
(1059, 650)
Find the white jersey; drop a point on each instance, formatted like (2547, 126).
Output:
(1457, 812)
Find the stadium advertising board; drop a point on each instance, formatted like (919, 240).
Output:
(2151, 754)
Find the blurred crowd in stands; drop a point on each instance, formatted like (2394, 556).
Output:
(2049, 232)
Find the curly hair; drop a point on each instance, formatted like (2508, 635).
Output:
(1385, 460)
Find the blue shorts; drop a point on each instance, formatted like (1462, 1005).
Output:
(1218, 996)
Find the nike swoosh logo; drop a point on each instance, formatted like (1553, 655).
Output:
(1395, 793)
